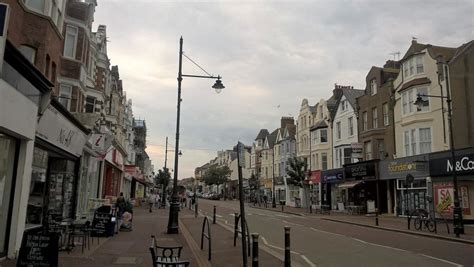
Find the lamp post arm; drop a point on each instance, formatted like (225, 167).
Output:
(437, 96)
(200, 76)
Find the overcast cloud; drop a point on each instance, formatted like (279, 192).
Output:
(271, 54)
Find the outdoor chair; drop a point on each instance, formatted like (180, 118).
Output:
(166, 255)
(78, 231)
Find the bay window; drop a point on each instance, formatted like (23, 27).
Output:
(70, 41)
(413, 66)
(408, 98)
(65, 92)
(417, 141)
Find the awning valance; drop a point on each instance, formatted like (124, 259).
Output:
(349, 184)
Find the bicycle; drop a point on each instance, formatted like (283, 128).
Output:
(424, 220)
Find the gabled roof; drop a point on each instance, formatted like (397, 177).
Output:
(351, 95)
(271, 138)
(434, 51)
(314, 108)
(331, 104)
(262, 134)
(461, 50)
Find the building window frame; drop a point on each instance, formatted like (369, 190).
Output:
(350, 122)
(375, 118)
(73, 31)
(89, 106)
(386, 121)
(373, 87)
(338, 130)
(65, 95)
(364, 120)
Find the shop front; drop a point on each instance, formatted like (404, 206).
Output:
(441, 168)
(59, 143)
(405, 195)
(362, 189)
(331, 193)
(24, 94)
(113, 174)
(314, 187)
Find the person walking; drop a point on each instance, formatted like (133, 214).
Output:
(120, 205)
(151, 201)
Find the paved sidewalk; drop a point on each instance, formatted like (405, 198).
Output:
(386, 222)
(222, 241)
(127, 248)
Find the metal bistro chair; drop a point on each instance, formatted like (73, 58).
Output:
(78, 231)
(169, 256)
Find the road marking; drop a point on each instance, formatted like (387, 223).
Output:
(296, 224)
(281, 215)
(445, 261)
(279, 248)
(218, 216)
(310, 263)
(326, 232)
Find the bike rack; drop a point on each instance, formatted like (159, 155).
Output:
(206, 235)
(237, 231)
(425, 213)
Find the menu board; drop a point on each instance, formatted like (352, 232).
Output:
(38, 250)
(101, 224)
(54, 221)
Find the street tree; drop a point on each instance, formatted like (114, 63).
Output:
(163, 178)
(297, 170)
(217, 175)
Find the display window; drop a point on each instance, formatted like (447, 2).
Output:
(34, 213)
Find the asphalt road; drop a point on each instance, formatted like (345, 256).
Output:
(316, 242)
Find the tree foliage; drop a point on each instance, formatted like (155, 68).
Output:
(163, 177)
(216, 175)
(296, 170)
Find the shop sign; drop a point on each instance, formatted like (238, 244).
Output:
(400, 168)
(357, 148)
(56, 129)
(364, 170)
(444, 198)
(97, 141)
(464, 165)
(332, 176)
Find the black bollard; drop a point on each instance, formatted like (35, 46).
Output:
(236, 228)
(377, 218)
(287, 247)
(195, 210)
(255, 250)
(214, 216)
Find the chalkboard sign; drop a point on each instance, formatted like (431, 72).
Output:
(54, 221)
(38, 250)
(101, 224)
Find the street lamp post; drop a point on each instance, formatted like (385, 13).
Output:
(273, 181)
(218, 86)
(457, 211)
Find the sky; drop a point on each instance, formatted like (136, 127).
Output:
(271, 55)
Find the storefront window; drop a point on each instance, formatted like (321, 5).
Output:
(34, 213)
(7, 158)
(61, 188)
(411, 198)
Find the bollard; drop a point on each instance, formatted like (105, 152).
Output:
(236, 228)
(255, 250)
(287, 247)
(282, 207)
(377, 219)
(214, 216)
(190, 201)
(195, 210)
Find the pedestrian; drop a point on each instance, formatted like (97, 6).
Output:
(120, 205)
(157, 200)
(151, 201)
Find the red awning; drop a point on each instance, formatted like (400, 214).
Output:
(314, 177)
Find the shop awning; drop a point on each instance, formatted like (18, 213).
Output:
(349, 184)
(314, 177)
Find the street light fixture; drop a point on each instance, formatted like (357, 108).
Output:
(218, 86)
(443, 71)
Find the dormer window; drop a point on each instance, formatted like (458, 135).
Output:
(343, 105)
(413, 66)
(373, 87)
